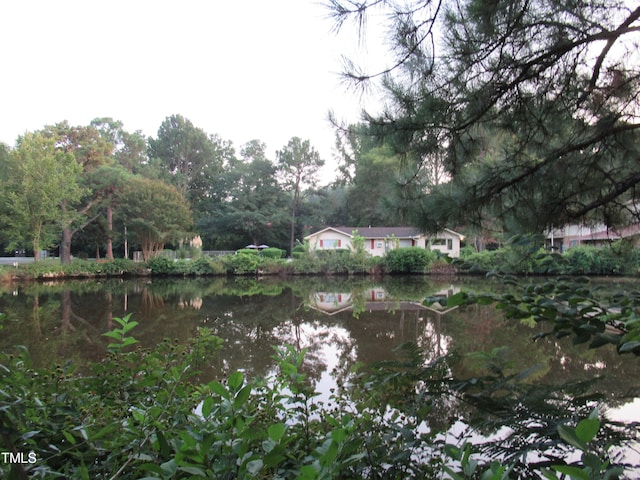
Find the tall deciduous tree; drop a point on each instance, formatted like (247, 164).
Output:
(91, 151)
(557, 83)
(298, 166)
(187, 156)
(129, 149)
(39, 178)
(154, 213)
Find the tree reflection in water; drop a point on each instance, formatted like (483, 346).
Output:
(511, 394)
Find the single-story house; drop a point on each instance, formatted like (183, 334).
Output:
(379, 240)
(597, 235)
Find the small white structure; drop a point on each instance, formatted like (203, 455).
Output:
(379, 240)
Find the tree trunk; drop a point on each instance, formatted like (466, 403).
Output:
(109, 233)
(293, 231)
(36, 245)
(65, 246)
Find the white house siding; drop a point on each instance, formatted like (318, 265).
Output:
(332, 238)
(329, 240)
(451, 243)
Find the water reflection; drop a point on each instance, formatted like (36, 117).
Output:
(355, 320)
(364, 320)
(341, 322)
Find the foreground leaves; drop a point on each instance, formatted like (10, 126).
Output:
(145, 414)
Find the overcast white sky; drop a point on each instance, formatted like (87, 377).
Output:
(243, 69)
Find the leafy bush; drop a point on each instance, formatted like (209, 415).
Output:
(519, 258)
(248, 251)
(132, 415)
(205, 265)
(161, 265)
(119, 266)
(273, 253)
(409, 260)
(616, 259)
(242, 263)
(299, 250)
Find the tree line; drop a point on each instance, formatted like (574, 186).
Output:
(98, 188)
(499, 118)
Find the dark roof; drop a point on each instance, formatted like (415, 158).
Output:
(381, 232)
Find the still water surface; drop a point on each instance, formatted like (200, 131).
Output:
(340, 321)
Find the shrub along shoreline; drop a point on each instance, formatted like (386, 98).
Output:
(519, 257)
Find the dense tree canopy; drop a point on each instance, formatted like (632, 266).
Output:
(188, 157)
(249, 205)
(154, 213)
(532, 105)
(37, 179)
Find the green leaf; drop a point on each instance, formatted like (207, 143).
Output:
(242, 396)
(457, 299)
(117, 334)
(129, 341)
(194, 471)
(274, 457)
(573, 472)
(276, 431)
(207, 407)
(121, 320)
(235, 381)
(568, 434)
(70, 438)
(220, 389)
(486, 299)
(629, 346)
(308, 472)
(338, 435)
(254, 467)
(162, 444)
(452, 451)
(151, 467)
(129, 326)
(587, 429)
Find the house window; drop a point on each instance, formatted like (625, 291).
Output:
(330, 243)
(379, 244)
(449, 244)
(440, 242)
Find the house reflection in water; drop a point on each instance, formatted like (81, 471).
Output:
(375, 299)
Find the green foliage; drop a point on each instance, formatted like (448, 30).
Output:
(160, 265)
(335, 261)
(615, 259)
(570, 307)
(154, 213)
(524, 255)
(39, 179)
(243, 262)
(299, 250)
(51, 268)
(409, 260)
(206, 265)
(525, 138)
(120, 334)
(592, 465)
(248, 251)
(147, 414)
(272, 253)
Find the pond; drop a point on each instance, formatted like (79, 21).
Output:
(341, 322)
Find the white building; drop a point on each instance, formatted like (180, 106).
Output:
(379, 240)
